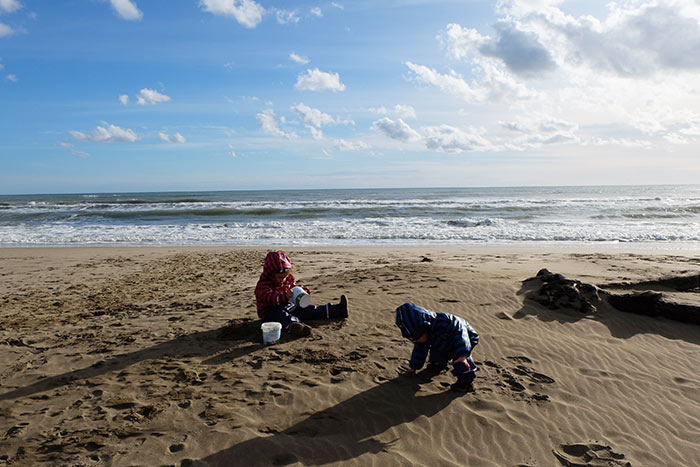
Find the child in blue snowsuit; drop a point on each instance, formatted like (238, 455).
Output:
(442, 335)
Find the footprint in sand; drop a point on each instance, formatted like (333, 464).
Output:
(535, 377)
(589, 455)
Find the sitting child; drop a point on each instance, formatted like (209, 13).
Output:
(445, 336)
(274, 289)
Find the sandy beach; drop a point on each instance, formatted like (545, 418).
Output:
(153, 356)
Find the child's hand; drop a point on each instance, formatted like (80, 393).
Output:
(289, 293)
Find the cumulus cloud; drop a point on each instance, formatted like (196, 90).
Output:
(106, 134)
(395, 129)
(124, 99)
(493, 84)
(316, 11)
(521, 51)
(540, 130)
(452, 84)
(126, 9)
(12, 78)
(313, 116)
(636, 41)
(379, 110)
(299, 58)
(344, 145)
(71, 148)
(316, 80)
(404, 111)
(176, 138)
(149, 96)
(446, 138)
(337, 5)
(268, 123)
(637, 38)
(9, 6)
(399, 110)
(247, 12)
(316, 133)
(639, 61)
(286, 16)
(6, 30)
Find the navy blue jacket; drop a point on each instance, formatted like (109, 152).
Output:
(449, 336)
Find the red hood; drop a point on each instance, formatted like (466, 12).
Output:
(276, 261)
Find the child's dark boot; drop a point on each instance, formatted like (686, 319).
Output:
(464, 384)
(340, 310)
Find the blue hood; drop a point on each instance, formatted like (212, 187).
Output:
(413, 320)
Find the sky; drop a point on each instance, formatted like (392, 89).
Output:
(180, 95)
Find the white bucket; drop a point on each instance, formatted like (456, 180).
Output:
(271, 332)
(300, 298)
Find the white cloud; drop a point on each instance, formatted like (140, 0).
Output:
(247, 12)
(337, 5)
(446, 138)
(624, 142)
(399, 110)
(316, 11)
(313, 116)
(316, 133)
(71, 148)
(299, 58)
(149, 96)
(124, 99)
(176, 138)
(106, 134)
(286, 16)
(452, 84)
(540, 130)
(126, 9)
(404, 111)
(9, 6)
(12, 78)
(521, 51)
(344, 145)
(5, 30)
(316, 80)
(268, 123)
(638, 61)
(639, 38)
(396, 129)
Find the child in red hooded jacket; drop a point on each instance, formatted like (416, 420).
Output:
(274, 289)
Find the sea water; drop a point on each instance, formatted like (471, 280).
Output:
(660, 216)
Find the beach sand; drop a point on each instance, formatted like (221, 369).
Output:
(153, 356)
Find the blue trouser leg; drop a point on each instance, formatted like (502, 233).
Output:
(464, 369)
(291, 313)
(281, 315)
(314, 312)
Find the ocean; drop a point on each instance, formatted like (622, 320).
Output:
(665, 217)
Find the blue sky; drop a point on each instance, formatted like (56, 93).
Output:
(153, 95)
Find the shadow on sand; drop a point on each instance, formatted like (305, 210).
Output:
(238, 338)
(339, 433)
